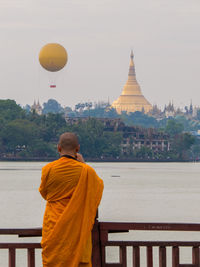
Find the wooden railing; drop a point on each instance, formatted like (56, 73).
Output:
(30, 247)
(104, 228)
(101, 241)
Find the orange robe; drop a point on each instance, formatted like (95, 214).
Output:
(73, 192)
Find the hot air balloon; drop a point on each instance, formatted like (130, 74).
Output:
(53, 57)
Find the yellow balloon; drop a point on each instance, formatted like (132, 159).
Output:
(53, 57)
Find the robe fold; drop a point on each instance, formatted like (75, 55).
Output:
(73, 192)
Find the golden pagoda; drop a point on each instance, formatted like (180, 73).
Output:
(131, 99)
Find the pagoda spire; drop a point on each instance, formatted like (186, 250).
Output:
(131, 98)
(131, 65)
(131, 87)
(132, 56)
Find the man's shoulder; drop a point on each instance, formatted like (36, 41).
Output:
(89, 168)
(50, 164)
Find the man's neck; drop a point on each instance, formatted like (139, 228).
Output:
(69, 153)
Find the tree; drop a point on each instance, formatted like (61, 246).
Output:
(143, 153)
(100, 112)
(112, 144)
(198, 114)
(173, 128)
(51, 127)
(95, 142)
(43, 149)
(9, 110)
(182, 143)
(140, 119)
(18, 134)
(195, 149)
(52, 106)
(27, 108)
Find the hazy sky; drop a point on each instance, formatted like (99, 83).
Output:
(98, 36)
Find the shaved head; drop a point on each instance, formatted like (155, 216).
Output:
(68, 141)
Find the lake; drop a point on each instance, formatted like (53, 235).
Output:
(134, 192)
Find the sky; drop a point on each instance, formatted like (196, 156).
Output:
(98, 36)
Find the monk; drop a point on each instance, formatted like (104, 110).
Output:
(73, 192)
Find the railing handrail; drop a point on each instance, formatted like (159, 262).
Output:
(124, 226)
(152, 243)
(112, 227)
(21, 232)
(19, 245)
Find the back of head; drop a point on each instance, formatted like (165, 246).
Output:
(68, 141)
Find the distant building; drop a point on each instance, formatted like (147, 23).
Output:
(36, 107)
(136, 138)
(133, 137)
(169, 110)
(195, 111)
(131, 99)
(156, 113)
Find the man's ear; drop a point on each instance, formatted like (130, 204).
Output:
(59, 148)
(78, 148)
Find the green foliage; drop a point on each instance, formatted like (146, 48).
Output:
(52, 106)
(51, 126)
(140, 119)
(100, 112)
(25, 134)
(95, 142)
(173, 127)
(144, 153)
(18, 134)
(43, 149)
(198, 114)
(9, 110)
(31, 135)
(181, 144)
(187, 124)
(195, 150)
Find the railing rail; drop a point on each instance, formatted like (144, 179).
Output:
(101, 241)
(22, 232)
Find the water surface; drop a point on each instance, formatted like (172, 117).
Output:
(139, 192)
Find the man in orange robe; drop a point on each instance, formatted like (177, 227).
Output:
(73, 192)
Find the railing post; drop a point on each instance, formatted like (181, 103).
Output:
(12, 260)
(103, 256)
(175, 257)
(96, 247)
(123, 258)
(195, 256)
(136, 256)
(162, 257)
(149, 257)
(103, 239)
(31, 257)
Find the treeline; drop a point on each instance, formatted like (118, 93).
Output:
(29, 135)
(104, 110)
